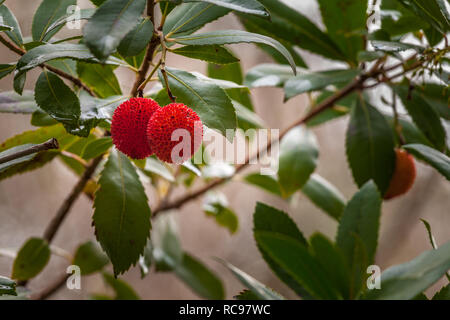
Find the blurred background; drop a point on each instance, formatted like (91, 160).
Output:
(29, 201)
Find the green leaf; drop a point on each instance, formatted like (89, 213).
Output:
(265, 182)
(294, 28)
(324, 195)
(137, 39)
(60, 102)
(395, 46)
(11, 102)
(443, 294)
(122, 289)
(19, 82)
(7, 286)
(317, 81)
(121, 209)
(247, 119)
(295, 260)
(333, 261)
(424, 116)
(82, 14)
(345, 21)
(214, 53)
(96, 148)
(405, 281)
(10, 20)
(359, 227)
(216, 206)
(297, 160)
(268, 75)
(259, 290)
(100, 78)
(167, 250)
(31, 259)
(112, 21)
(153, 165)
(6, 165)
(409, 131)
(436, 96)
(246, 6)
(6, 69)
(48, 12)
(235, 36)
(431, 156)
(199, 278)
(370, 146)
(93, 109)
(207, 99)
(365, 56)
(90, 258)
(67, 65)
(246, 295)
(432, 11)
(188, 17)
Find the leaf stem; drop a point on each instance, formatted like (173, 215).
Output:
(49, 144)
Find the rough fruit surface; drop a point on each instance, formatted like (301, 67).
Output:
(164, 123)
(129, 125)
(404, 175)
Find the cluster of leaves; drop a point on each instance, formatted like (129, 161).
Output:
(116, 35)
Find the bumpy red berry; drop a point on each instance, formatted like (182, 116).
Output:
(404, 175)
(168, 143)
(129, 125)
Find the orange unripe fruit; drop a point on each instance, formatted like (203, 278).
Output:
(404, 175)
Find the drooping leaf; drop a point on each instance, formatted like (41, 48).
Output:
(122, 289)
(406, 280)
(121, 209)
(100, 78)
(216, 206)
(297, 160)
(324, 195)
(112, 21)
(137, 39)
(214, 53)
(370, 146)
(235, 36)
(32, 257)
(208, 100)
(434, 158)
(317, 81)
(9, 19)
(246, 6)
(48, 12)
(258, 289)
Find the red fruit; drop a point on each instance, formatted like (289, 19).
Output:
(129, 125)
(404, 175)
(163, 124)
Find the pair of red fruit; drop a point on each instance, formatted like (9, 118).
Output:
(140, 128)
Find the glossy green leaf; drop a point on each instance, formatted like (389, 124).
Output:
(246, 6)
(433, 11)
(112, 21)
(216, 206)
(424, 116)
(214, 53)
(261, 291)
(297, 160)
(67, 65)
(70, 16)
(7, 286)
(434, 158)
(208, 100)
(100, 78)
(121, 208)
(405, 281)
(32, 257)
(19, 83)
(370, 146)
(436, 96)
(6, 69)
(324, 195)
(394, 46)
(93, 108)
(188, 17)
(345, 21)
(268, 75)
(235, 36)
(9, 19)
(137, 39)
(48, 12)
(11, 102)
(265, 182)
(90, 258)
(317, 81)
(359, 227)
(96, 148)
(122, 289)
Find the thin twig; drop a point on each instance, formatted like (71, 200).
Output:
(50, 290)
(47, 145)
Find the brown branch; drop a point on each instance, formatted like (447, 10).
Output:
(50, 290)
(61, 73)
(55, 223)
(49, 144)
(151, 47)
